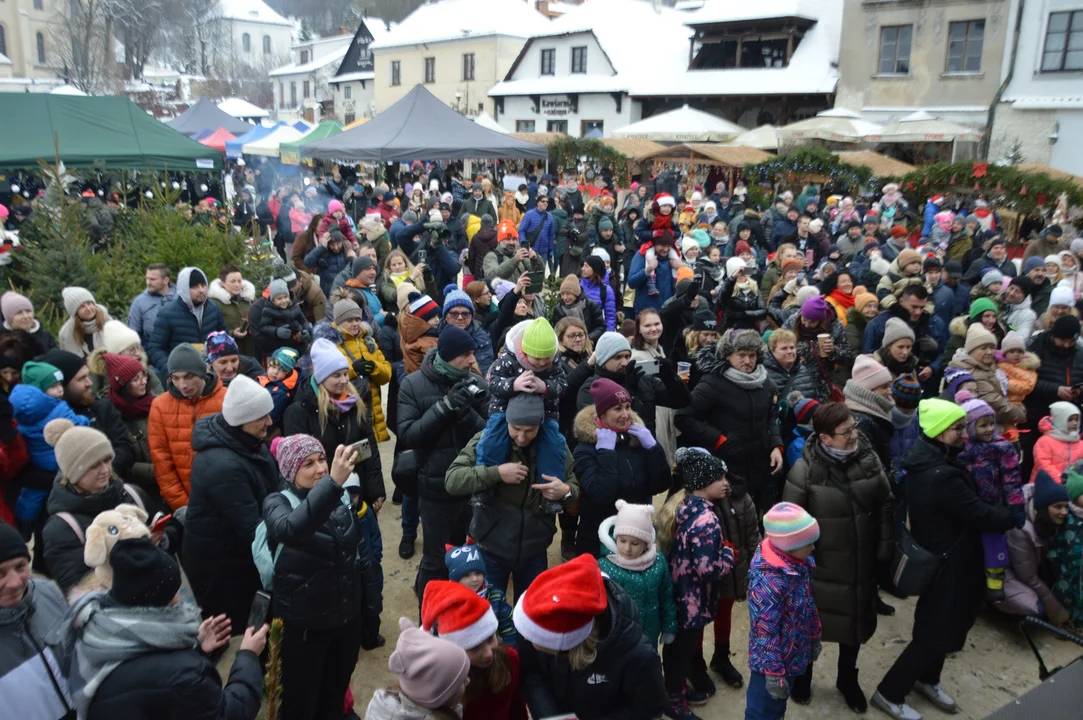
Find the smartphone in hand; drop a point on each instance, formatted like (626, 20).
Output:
(261, 607)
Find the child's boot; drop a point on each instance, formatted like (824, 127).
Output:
(994, 585)
(699, 679)
(677, 708)
(722, 665)
(801, 692)
(652, 284)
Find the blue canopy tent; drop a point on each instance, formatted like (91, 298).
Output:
(302, 126)
(233, 147)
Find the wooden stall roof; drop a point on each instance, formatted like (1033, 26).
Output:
(542, 138)
(710, 154)
(1050, 171)
(881, 166)
(634, 148)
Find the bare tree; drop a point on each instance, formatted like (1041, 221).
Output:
(83, 45)
(138, 25)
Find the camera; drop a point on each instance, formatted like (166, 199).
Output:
(474, 390)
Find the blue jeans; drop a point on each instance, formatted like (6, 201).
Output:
(374, 541)
(758, 704)
(495, 444)
(409, 515)
(497, 574)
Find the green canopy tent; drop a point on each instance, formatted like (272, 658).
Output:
(98, 132)
(291, 151)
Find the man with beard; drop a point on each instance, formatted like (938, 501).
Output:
(103, 415)
(188, 319)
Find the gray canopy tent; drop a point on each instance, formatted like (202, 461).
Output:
(419, 127)
(205, 115)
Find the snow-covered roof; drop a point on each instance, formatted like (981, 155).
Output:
(4, 59)
(68, 90)
(378, 27)
(448, 20)
(254, 11)
(312, 65)
(241, 108)
(611, 22)
(353, 77)
(726, 11)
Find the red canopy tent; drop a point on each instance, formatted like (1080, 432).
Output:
(217, 139)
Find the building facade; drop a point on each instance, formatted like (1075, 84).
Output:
(27, 59)
(1040, 116)
(354, 85)
(458, 49)
(302, 89)
(244, 34)
(941, 57)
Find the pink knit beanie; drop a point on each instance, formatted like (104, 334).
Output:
(870, 374)
(634, 521)
(790, 527)
(430, 669)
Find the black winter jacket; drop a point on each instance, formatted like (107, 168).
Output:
(593, 316)
(105, 417)
(179, 685)
(648, 391)
(743, 311)
(177, 323)
(232, 474)
(435, 432)
(1058, 368)
(799, 378)
(569, 400)
(303, 416)
(319, 579)
(624, 681)
(63, 550)
(292, 318)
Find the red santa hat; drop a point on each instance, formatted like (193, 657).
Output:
(456, 613)
(372, 212)
(664, 199)
(557, 611)
(936, 199)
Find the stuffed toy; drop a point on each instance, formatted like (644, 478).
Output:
(123, 522)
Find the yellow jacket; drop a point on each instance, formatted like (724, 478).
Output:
(364, 347)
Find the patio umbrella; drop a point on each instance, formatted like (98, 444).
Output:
(685, 124)
(763, 138)
(923, 127)
(837, 125)
(488, 121)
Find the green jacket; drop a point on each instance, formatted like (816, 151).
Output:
(652, 592)
(500, 263)
(511, 525)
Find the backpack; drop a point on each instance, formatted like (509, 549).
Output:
(264, 559)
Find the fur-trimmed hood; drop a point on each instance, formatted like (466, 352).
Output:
(586, 428)
(217, 291)
(958, 325)
(708, 360)
(1030, 361)
(329, 331)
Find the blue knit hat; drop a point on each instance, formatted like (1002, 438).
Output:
(454, 297)
(1033, 263)
(463, 559)
(1048, 491)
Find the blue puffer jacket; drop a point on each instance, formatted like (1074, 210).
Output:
(180, 322)
(637, 279)
(543, 223)
(609, 305)
(327, 264)
(33, 410)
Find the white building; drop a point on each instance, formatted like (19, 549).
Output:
(1041, 111)
(27, 58)
(245, 33)
(354, 83)
(301, 89)
(577, 74)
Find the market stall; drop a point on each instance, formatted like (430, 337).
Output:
(217, 139)
(205, 115)
(684, 124)
(706, 163)
(291, 151)
(234, 148)
(268, 145)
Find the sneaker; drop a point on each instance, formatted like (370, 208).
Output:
(801, 692)
(898, 711)
(695, 698)
(701, 682)
(722, 665)
(406, 546)
(936, 695)
(851, 691)
(995, 596)
(882, 608)
(677, 709)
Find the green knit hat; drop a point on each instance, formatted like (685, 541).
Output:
(936, 416)
(539, 340)
(41, 375)
(1073, 483)
(981, 305)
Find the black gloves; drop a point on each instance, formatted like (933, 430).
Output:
(283, 333)
(363, 367)
(306, 336)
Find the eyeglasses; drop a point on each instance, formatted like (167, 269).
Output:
(574, 336)
(846, 433)
(459, 314)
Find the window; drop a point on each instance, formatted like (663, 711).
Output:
(579, 59)
(964, 46)
(304, 57)
(1063, 42)
(266, 44)
(591, 128)
(293, 94)
(41, 49)
(348, 118)
(3, 42)
(396, 72)
(281, 96)
(481, 107)
(524, 126)
(430, 70)
(895, 49)
(39, 5)
(468, 66)
(246, 43)
(560, 126)
(305, 91)
(347, 93)
(549, 62)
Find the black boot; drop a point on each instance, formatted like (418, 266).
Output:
(802, 687)
(406, 546)
(721, 664)
(699, 679)
(882, 608)
(851, 691)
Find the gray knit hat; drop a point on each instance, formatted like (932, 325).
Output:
(278, 287)
(74, 297)
(741, 340)
(608, 345)
(346, 309)
(896, 330)
(185, 358)
(245, 401)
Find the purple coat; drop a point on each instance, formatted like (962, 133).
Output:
(995, 469)
(697, 561)
(783, 620)
(608, 304)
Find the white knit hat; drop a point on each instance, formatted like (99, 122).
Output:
(245, 401)
(1012, 341)
(735, 265)
(118, 337)
(1061, 296)
(74, 297)
(805, 293)
(634, 521)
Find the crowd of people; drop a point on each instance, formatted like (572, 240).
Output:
(710, 404)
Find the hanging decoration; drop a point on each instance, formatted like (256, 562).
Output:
(805, 162)
(1015, 189)
(568, 152)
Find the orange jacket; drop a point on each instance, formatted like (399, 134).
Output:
(169, 433)
(413, 340)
